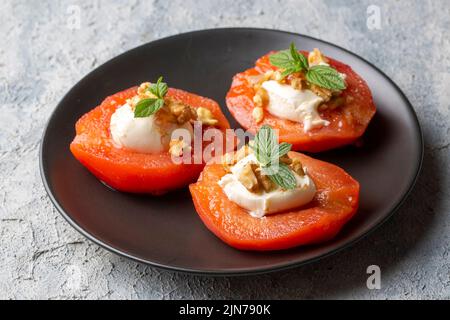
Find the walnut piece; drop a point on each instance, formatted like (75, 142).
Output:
(258, 114)
(248, 179)
(316, 57)
(143, 88)
(335, 103)
(296, 83)
(263, 180)
(261, 97)
(268, 75)
(257, 100)
(286, 160)
(242, 153)
(228, 161)
(277, 76)
(297, 167)
(206, 117)
(142, 93)
(132, 102)
(182, 113)
(325, 94)
(177, 147)
(231, 158)
(251, 175)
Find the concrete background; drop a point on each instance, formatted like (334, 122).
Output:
(42, 56)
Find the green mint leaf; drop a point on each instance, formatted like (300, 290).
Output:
(325, 77)
(284, 148)
(266, 146)
(289, 71)
(147, 107)
(301, 60)
(282, 59)
(270, 170)
(282, 176)
(268, 152)
(289, 61)
(159, 89)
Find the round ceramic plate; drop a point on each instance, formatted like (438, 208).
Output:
(166, 231)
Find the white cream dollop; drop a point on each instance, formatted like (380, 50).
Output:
(285, 102)
(141, 134)
(260, 204)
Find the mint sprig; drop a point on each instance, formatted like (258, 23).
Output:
(268, 152)
(325, 77)
(283, 177)
(147, 107)
(159, 89)
(265, 146)
(284, 148)
(291, 61)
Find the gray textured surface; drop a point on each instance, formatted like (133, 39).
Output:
(41, 256)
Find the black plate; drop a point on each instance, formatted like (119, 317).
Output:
(166, 231)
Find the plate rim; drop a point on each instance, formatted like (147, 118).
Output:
(237, 271)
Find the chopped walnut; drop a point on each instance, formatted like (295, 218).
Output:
(258, 114)
(277, 76)
(297, 80)
(254, 180)
(177, 146)
(333, 104)
(231, 158)
(257, 100)
(242, 153)
(268, 75)
(248, 179)
(263, 180)
(297, 167)
(143, 88)
(296, 83)
(257, 81)
(286, 160)
(182, 112)
(261, 97)
(263, 94)
(142, 93)
(206, 117)
(251, 175)
(228, 161)
(164, 117)
(325, 94)
(316, 57)
(133, 101)
(296, 75)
